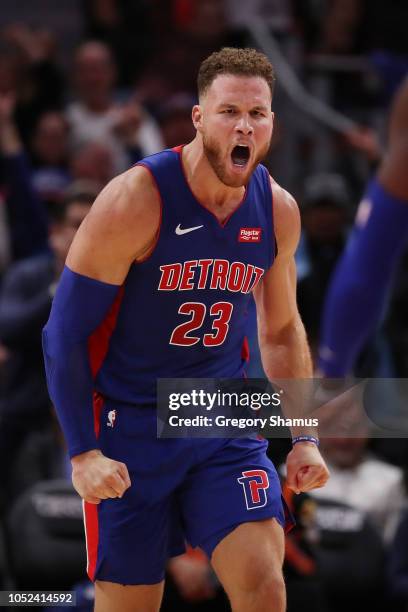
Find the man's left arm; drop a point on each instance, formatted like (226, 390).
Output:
(282, 338)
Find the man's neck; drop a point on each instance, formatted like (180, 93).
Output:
(220, 199)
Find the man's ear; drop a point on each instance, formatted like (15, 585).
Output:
(197, 117)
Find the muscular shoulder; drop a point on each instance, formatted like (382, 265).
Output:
(120, 228)
(127, 204)
(286, 218)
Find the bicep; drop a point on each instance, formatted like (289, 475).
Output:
(95, 253)
(275, 296)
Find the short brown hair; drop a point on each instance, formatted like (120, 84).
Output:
(240, 62)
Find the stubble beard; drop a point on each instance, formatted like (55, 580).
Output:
(213, 153)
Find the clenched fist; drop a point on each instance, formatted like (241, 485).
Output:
(306, 468)
(96, 477)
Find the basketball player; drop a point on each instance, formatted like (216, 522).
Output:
(156, 285)
(358, 290)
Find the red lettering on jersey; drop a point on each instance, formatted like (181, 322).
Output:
(236, 276)
(233, 277)
(204, 265)
(258, 275)
(170, 277)
(250, 234)
(188, 274)
(219, 274)
(248, 278)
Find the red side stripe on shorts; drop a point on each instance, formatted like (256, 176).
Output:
(91, 537)
(98, 344)
(91, 510)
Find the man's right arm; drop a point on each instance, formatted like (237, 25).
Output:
(120, 229)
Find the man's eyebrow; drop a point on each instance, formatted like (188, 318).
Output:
(232, 105)
(229, 104)
(261, 107)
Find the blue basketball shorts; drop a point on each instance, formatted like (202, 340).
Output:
(193, 491)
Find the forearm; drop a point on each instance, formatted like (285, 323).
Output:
(287, 362)
(287, 354)
(80, 306)
(70, 386)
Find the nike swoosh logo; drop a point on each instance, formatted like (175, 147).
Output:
(186, 230)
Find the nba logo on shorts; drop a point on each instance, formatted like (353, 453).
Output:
(111, 418)
(254, 483)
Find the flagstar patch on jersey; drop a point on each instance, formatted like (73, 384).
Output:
(250, 234)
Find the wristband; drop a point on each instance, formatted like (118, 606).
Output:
(305, 439)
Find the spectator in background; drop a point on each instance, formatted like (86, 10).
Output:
(325, 218)
(96, 116)
(277, 14)
(363, 482)
(26, 217)
(356, 519)
(25, 303)
(175, 120)
(93, 161)
(29, 69)
(302, 576)
(126, 27)
(42, 456)
(191, 30)
(397, 566)
(49, 155)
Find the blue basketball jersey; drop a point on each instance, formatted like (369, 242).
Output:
(183, 311)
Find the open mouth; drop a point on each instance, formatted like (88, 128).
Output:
(240, 155)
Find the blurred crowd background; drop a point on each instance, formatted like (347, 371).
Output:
(89, 87)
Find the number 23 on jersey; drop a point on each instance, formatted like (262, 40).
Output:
(220, 314)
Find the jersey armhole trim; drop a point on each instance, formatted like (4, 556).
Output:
(157, 236)
(272, 240)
